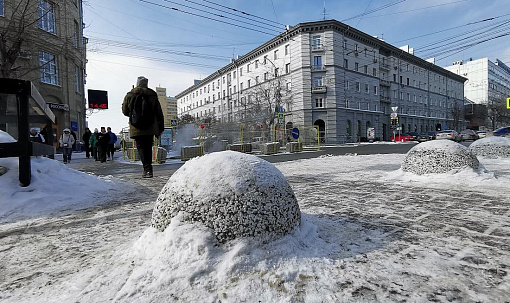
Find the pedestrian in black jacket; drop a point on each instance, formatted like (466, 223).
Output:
(86, 138)
(102, 144)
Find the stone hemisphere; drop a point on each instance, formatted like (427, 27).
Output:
(491, 147)
(438, 156)
(235, 194)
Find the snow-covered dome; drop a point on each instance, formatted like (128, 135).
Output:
(438, 156)
(491, 147)
(234, 194)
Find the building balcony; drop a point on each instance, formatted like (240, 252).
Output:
(319, 89)
(385, 99)
(317, 48)
(318, 68)
(385, 83)
(384, 66)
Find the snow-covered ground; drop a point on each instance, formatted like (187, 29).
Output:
(370, 233)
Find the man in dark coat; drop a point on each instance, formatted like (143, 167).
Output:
(86, 138)
(144, 137)
(102, 144)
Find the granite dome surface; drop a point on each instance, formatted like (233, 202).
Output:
(234, 194)
(438, 156)
(491, 147)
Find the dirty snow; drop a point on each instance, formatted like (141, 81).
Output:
(370, 233)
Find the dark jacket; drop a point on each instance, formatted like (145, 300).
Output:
(102, 139)
(113, 138)
(86, 136)
(158, 125)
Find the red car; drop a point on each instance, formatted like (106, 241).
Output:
(402, 137)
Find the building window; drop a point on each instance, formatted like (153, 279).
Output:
(408, 81)
(287, 49)
(374, 72)
(257, 80)
(346, 84)
(287, 68)
(76, 34)
(249, 83)
(234, 74)
(317, 62)
(289, 86)
(275, 54)
(401, 80)
(319, 103)
(266, 76)
(240, 71)
(2, 8)
(276, 72)
(256, 63)
(317, 81)
(49, 71)
(367, 88)
(344, 44)
(265, 59)
(346, 63)
(316, 42)
(358, 86)
(365, 69)
(248, 68)
(77, 79)
(46, 16)
(356, 66)
(375, 90)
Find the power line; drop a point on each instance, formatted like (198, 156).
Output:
(220, 16)
(242, 12)
(227, 12)
(375, 10)
(205, 17)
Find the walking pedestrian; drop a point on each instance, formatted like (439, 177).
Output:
(102, 144)
(66, 143)
(142, 107)
(111, 143)
(93, 144)
(35, 136)
(86, 139)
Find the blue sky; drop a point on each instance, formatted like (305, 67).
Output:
(128, 38)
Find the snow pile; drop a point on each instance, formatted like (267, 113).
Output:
(54, 189)
(491, 147)
(438, 156)
(234, 194)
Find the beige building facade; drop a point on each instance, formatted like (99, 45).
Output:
(52, 55)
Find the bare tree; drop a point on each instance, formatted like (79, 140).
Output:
(498, 113)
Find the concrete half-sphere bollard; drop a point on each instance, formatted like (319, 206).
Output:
(235, 194)
(491, 147)
(438, 156)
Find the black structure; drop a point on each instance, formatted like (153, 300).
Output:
(23, 148)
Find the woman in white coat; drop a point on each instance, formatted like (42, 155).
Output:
(66, 143)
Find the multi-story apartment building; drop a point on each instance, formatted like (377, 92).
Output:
(489, 85)
(333, 76)
(52, 55)
(168, 105)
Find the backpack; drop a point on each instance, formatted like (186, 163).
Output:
(141, 114)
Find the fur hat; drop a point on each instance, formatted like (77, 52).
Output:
(142, 81)
(95, 130)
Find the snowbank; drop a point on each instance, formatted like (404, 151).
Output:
(438, 156)
(54, 188)
(234, 194)
(491, 147)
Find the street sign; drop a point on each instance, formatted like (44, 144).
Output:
(295, 133)
(508, 103)
(281, 116)
(280, 109)
(393, 115)
(394, 108)
(173, 123)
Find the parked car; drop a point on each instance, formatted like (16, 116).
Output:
(502, 132)
(401, 138)
(468, 134)
(414, 135)
(482, 134)
(426, 136)
(448, 134)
